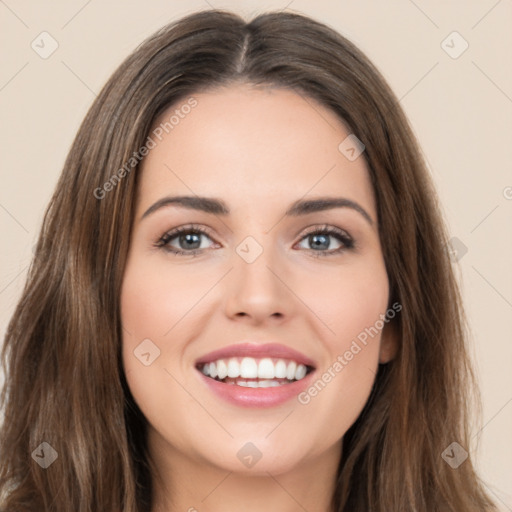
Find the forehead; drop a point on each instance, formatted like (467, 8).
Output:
(252, 145)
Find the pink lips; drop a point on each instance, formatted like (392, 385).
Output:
(256, 397)
(256, 350)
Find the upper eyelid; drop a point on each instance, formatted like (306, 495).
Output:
(209, 231)
(189, 227)
(325, 227)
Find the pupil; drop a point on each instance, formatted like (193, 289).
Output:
(324, 243)
(188, 238)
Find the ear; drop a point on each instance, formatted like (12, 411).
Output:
(388, 342)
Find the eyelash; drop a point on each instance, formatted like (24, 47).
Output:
(342, 236)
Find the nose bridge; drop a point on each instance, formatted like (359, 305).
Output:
(256, 288)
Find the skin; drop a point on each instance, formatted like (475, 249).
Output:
(259, 150)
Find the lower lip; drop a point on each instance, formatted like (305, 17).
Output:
(257, 397)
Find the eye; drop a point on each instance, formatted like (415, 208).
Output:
(320, 238)
(187, 239)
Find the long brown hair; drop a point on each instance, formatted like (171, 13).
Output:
(62, 353)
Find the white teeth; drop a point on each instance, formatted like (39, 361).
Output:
(290, 371)
(233, 368)
(300, 372)
(222, 369)
(266, 369)
(280, 369)
(259, 383)
(250, 368)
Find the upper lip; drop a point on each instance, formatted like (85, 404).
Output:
(257, 350)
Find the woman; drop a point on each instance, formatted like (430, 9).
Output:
(243, 371)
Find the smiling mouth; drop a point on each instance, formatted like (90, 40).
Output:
(255, 372)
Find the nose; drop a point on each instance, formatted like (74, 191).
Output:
(260, 291)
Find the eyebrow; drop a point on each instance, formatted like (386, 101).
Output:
(219, 207)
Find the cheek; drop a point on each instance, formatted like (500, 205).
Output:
(154, 299)
(149, 309)
(152, 302)
(351, 303)
(347, 301)
(159, 308)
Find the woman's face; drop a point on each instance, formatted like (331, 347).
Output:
(260, 291)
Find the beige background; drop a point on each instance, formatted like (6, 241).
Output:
(460, 109)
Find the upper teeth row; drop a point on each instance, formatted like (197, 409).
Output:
(250, 368)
